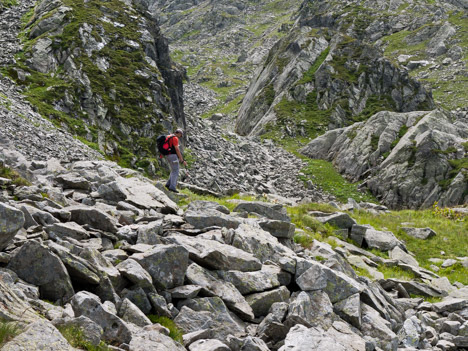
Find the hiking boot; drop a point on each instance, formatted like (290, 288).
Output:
(174, 190)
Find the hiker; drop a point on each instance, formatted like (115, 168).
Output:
(173, 158)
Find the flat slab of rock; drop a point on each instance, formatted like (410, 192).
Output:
(338, 338)
(67, 230)
(381, 240)
(265, 209)
(216, 255)
(279, 229)
(269, 277)
(312, 308)
(210, 217)
(14, 308)
(11, 220)
(95, 218)
(419, 233)
(208, 345)
(150, 338)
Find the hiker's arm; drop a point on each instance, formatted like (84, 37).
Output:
(179, 155)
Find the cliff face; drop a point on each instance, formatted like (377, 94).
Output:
(103, 71)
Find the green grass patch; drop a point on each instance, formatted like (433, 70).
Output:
(326, 177)
(7, 172)
(362, 272)
(395, 272)
(75, 338)
(174, 332)
(309, 76)
(451, 238)
(8, 330)
(4, 4)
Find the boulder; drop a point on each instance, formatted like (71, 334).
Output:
(213, 286)
(337, 285)
(199, 205)
(377, 328)
(310, 309)
(150, 338)
(265, 209)
(135, 273)
(261, 302)
(272, 327)
(216, 255)
(91, 331)
(381, 240)
(339, 337)
(36, 264)
(73, 181)
(350, 310)
(166, 264)
(410, 333)
(279, 229)
(149, 233)
(340, 220)
(12, 306)
(11, 220)
(419, 233)
(398, 254)
(269, 277)
(209, 313)
(208, 345)
(88, 305)
(39, 335)
(93, 217)
(67, 230)
(211, 217)
(129, 312)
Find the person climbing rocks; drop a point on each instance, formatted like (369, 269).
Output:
(173, 159)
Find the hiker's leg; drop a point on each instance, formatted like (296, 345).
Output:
(174, 164)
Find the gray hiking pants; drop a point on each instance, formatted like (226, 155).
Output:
(174, 165)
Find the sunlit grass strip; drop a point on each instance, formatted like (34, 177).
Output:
(174, 332)
(75, 338)
(8, 330)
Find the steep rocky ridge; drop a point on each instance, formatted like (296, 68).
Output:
(102, 71)
(329, 73)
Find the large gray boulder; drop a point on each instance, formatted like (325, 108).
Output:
(89, 305)
(279, 229)
(67, 230)
(210, 217)
(374, 326)
(336, 284)
(266, 209)
(40, 335)
(94, 217)
(129, 312)
(350, 310)
(262, 301)
(269, 277)
(339, 337)
(419, 233)
(135, 273)
(11, 220)
(310, 309)
(209, 313)
(150, 338)
(198, 275)
(14, 307)
(166, 264)
(36, 264)
(216, 255)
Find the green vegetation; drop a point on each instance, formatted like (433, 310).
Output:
(124, 89)
(326, 177)
(8, 330)
(451, 235)
(7, 172)
(309, 76)
(4, 4)
(174, 332)
(396, 273)
(225, 201)
(75, 338)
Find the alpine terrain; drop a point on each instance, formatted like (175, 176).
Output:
(325, 201)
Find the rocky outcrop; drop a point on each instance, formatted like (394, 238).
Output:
(406, 159)
(312, 81)
(114, 84)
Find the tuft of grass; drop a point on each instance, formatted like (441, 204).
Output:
(7, 172)
(323, 174)
(175, 333)
(8, 330)
(396, 272)
(75, 338)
